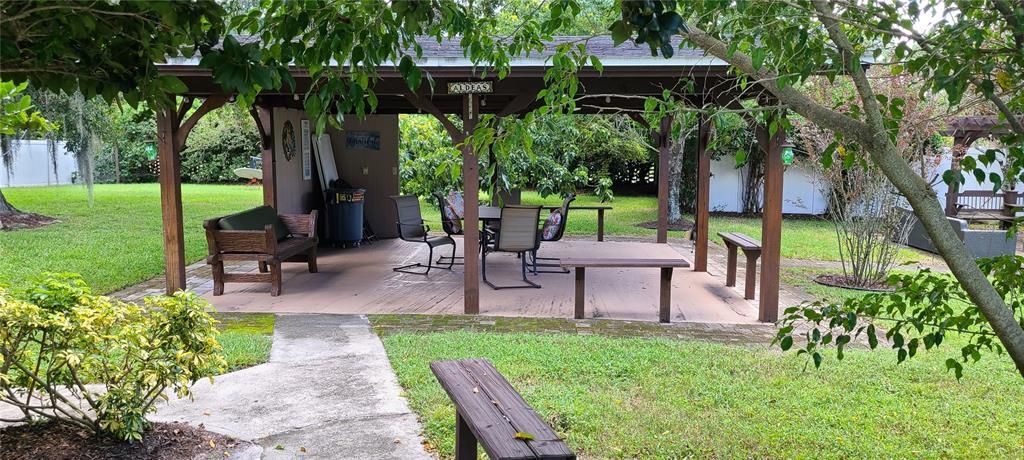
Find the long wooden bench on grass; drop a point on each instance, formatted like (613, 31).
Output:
(263, 236)
(666, 266)
(752, 250)
(490, 412)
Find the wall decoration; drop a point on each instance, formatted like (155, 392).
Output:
(288, 140)
(369, 140)
(470, 87)
(307, 168)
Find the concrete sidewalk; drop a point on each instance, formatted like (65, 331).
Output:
(328, 392)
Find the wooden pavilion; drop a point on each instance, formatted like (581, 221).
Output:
(629, 75)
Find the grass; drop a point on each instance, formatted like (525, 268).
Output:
(659, 398)
(116, 242)
(245, 337)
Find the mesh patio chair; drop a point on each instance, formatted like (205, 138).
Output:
(452, 213)
(411, 229)
(518, 235)
(553, 229)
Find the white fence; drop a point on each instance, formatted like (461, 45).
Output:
(32, 166)
(803, 192)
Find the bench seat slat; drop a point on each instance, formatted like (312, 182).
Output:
(546, 443)
(743, 241)
(588, 262)
(488, 424)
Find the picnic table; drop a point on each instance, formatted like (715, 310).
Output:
(493, 213)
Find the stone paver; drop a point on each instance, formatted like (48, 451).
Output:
(328, 391)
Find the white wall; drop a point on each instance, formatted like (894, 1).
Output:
(294, 194)
(803, 191)
(33, 166)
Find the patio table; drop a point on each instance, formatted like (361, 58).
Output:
(493, 213)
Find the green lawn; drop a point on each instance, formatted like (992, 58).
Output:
(118, 241)
(246, 338)
(659, 398)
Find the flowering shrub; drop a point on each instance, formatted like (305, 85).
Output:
(99, 363)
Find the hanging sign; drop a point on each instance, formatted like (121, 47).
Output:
(307, 167)
(367, 140)
(470, 87)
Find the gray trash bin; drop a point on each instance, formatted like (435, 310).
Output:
(345, 215)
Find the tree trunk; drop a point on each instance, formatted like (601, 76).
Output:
(5, 206)
(117, 165)
(675, 179)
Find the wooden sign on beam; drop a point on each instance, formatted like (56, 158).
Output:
(470, 87)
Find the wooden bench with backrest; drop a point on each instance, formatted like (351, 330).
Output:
(752, 249)
(263, 236)
(666, 266)
(490, 412)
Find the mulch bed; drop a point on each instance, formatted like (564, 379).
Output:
(682, 226)
(165, 441)
(24, 220)
(841, 281)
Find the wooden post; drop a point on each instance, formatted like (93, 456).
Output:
(170, 200)
(771, 224)
(265, 124)
(664, 132)
(581, 291)
(465, 440)
(665, 296)
(172, 129)
(471, 185)
(701, 208)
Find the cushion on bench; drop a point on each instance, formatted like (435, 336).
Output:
(255, 219)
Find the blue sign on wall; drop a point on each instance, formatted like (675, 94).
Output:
(369, 140)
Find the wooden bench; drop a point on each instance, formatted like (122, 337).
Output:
(666, 266)
(260, 235)
(490, 412)
(752, 249)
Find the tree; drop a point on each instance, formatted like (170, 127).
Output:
(17, 116)
(784, 43)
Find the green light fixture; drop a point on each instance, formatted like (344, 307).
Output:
(787, 153)
(150, 149)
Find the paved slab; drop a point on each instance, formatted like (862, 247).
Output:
(328, 391)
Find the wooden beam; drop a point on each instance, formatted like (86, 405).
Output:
(664, 153)
(170, 200)
(208, 105)
(702, 206)
(263, 116)
(471, 196)
(518, 104)
(425, 104)
(771, 226)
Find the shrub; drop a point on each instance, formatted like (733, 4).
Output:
(99, 363)
(222, 141)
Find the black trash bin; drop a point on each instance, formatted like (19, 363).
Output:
(344, 216)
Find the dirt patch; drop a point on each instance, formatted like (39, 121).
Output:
(24, 220)
(845, 282)
(681, 226)
(165, 441)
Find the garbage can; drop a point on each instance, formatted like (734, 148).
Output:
(345, 215)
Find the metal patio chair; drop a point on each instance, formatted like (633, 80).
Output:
(411, 229)
(452, 223)
(555, 236)
(518, 235)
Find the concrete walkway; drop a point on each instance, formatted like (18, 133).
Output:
(328, 392)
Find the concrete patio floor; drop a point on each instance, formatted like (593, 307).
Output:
(361, 281)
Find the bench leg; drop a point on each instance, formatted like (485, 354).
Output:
(581, 281)
(600, 225)
(665, 307)
(751, 282)
(311, 259)
(730, 266)
(263, 266)
(218, 277)
(275, 279)
(465, 442)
